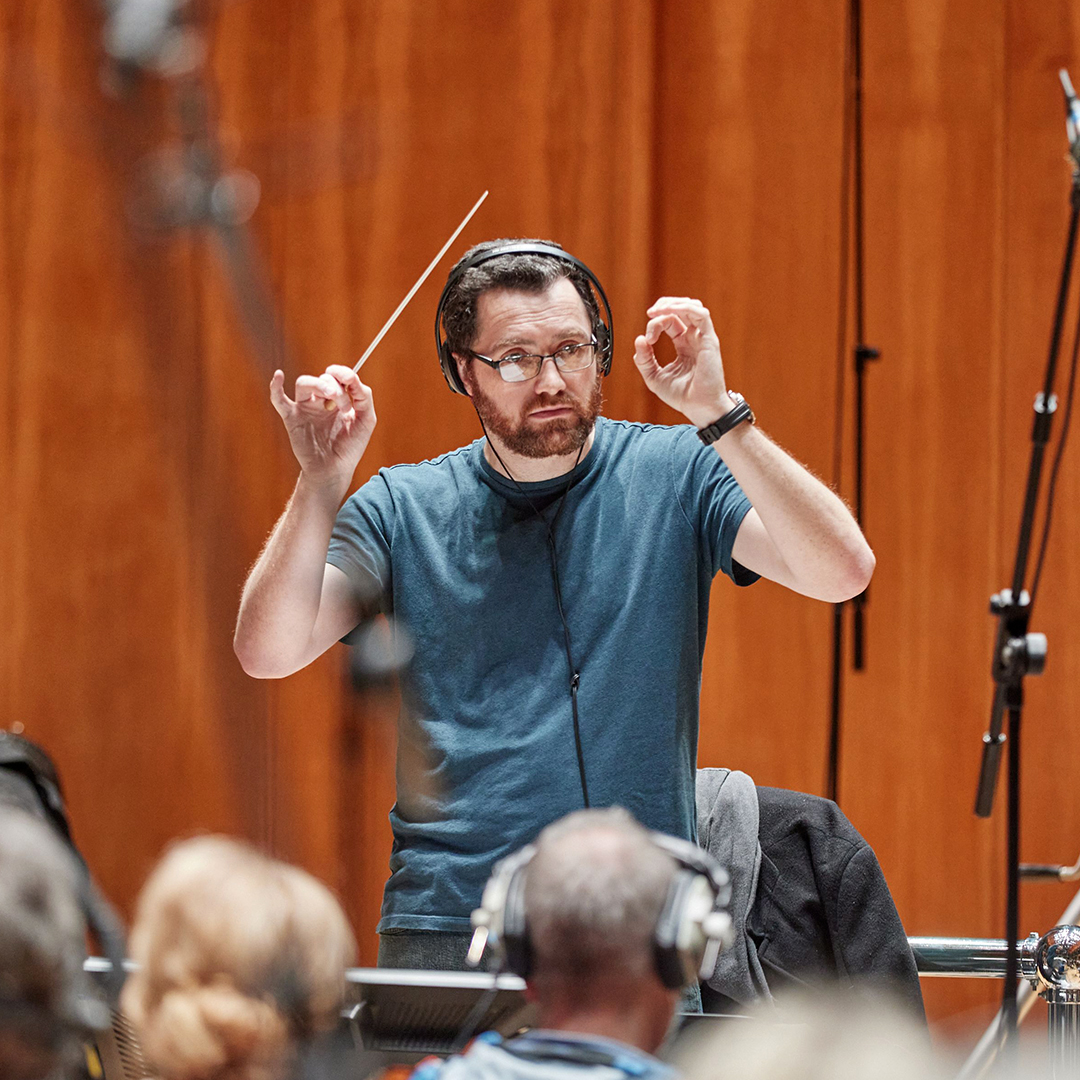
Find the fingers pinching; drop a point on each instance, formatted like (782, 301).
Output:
(350, 382)
(331, 392)
(668, 323)
(692, 312)
(308, 390)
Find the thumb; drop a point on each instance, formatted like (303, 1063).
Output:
(278, 398)
(645, 358)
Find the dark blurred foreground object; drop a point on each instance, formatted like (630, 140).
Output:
(48, 867)
(382, 649)
(29, 782)
(47, 1007)
(809, 895)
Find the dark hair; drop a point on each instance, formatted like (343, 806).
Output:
(45, 1007)
(521, 272)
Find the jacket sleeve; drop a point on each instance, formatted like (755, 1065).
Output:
(824, 911)
(868, 936)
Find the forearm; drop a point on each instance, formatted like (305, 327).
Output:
(811, 541)
(281, 598)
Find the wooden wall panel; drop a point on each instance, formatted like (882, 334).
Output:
(934, 89)
(370, 155)
(108, 641)
(748, 218)
(691, 147)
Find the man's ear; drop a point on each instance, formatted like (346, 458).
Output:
(462, 366)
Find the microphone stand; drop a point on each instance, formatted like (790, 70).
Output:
(187, 185)
(863, 354)
(1017, 652)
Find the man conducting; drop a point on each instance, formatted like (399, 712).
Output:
(554, 574)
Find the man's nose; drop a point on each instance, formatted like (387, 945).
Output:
(550, 379)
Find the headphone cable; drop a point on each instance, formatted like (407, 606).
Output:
(479, 1010)
(575, 675)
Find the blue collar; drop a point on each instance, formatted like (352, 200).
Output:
(588, 1051)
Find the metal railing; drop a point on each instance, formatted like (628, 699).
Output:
(1050, 968)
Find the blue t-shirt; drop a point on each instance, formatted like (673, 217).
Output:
(650, 517)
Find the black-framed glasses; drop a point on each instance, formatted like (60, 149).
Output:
(521, 367)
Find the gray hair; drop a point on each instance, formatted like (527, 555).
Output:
(42, 948)
(594, 892)
(521, 273)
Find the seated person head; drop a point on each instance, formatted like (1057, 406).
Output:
(45, 1002)
(606, 921)
(240, 958)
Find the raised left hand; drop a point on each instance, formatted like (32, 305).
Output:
(693, 382)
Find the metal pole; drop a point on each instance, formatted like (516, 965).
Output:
(1063, 1031)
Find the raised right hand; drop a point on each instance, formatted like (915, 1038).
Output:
(329, 423)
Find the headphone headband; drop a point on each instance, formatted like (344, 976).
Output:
(446, 358)
(693, 927)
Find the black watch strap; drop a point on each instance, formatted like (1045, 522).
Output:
(742, 411)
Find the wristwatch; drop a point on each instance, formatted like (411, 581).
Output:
(741, 412)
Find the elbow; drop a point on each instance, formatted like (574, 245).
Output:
(257, 662)
(855, 572)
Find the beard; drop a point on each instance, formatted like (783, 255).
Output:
(539, 438)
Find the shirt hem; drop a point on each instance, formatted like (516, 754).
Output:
(451, 923)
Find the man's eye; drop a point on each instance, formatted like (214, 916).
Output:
(514, 358)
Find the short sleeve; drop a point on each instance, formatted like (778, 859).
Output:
(360, 542)
(712, 501)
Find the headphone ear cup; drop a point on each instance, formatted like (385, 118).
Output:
(450, 369)
(515, 932)
(671, 965)
(603, 338)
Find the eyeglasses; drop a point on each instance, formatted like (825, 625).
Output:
(521, 367)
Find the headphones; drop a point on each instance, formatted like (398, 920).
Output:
(605, 334)
(693, 926)
(29, 782)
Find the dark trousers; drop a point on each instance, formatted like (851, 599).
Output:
(427, 950)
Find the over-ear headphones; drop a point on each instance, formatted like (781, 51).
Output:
(605, 333)
(693, 926)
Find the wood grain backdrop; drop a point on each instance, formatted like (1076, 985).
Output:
(677, 147)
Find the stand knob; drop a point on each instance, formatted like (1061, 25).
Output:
(1057, 959)
(1036, 653)
(1024, 655)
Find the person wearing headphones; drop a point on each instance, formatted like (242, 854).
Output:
(49, 1012)
(555, 574)
(606, 922)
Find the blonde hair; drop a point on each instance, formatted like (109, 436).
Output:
(239, 957)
